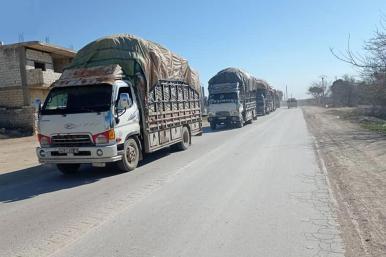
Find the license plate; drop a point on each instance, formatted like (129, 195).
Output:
(68, 150)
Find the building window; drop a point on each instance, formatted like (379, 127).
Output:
(40, 65)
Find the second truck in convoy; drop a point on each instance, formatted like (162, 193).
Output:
(236, 98)
(120, 98)
(232, 98)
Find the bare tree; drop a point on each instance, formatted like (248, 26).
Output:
(371, 64)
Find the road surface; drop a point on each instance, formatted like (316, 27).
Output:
(255, 191)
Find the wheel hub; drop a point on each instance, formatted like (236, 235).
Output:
(131, 153)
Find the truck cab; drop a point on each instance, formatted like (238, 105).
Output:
(225, 105)
(96, 116)
(87, 124)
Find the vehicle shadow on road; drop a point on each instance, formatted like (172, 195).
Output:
(149, 158)
(30, 182)
(220, 128)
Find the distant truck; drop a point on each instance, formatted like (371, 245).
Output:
(269, 102)
(261, 108)
(278, 98)
(232, 98)
(262, 101)
(292, 102)
(273, 99)
(120, 98)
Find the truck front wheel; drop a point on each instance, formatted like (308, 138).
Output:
(130, 156)
(240, 124)
(184, 144)
(68, 169)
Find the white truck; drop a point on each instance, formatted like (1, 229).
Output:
(119, 99)
(232, 98)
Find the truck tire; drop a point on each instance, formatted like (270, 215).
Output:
(212, 125)
(184, 144)
(240, 124)
(130, 156)
(68, 169)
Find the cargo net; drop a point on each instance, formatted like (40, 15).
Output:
(172, 103)
(250, 100)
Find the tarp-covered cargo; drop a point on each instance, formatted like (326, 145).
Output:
(262, 84)
(135, 55)
(234, 75)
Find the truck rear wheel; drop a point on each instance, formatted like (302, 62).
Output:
(130, 156)
(68, 169)
(184, 144)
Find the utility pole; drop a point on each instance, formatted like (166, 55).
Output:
(286, 93)
(323, 87)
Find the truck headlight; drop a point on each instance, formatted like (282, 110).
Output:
(104, 137)
(44, 140)
(101, 139)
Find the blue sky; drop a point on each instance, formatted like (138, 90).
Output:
(283, 42)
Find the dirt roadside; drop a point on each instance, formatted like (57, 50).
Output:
(355, 159)
(17, 154)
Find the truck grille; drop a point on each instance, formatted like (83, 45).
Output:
(222, 114)
(71, 140)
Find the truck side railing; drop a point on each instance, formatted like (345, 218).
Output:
(171, 105)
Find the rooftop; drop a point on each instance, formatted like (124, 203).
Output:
(44, 47)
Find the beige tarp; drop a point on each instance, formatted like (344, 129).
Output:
(233, 75)
(155, 61)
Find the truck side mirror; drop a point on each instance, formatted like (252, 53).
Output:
(124, 101)
(37, 104)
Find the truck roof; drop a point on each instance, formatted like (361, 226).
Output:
(89, 76)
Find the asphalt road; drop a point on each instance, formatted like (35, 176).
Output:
(255, 191)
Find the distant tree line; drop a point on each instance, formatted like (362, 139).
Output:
(370, 89)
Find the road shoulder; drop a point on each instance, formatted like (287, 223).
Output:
(355, 160)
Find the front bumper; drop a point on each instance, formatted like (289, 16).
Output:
(84, 155)
(224, 119)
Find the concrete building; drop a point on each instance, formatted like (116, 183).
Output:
(27, 70)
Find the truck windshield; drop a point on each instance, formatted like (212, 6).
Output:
(223, 98)
(78, 99)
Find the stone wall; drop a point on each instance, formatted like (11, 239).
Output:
(11, 93)
(38, 93)
(33, 55)
(17, 118)
(9, 68)
(11, 97)
(37, 77)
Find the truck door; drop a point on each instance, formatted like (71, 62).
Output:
(128, 117)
